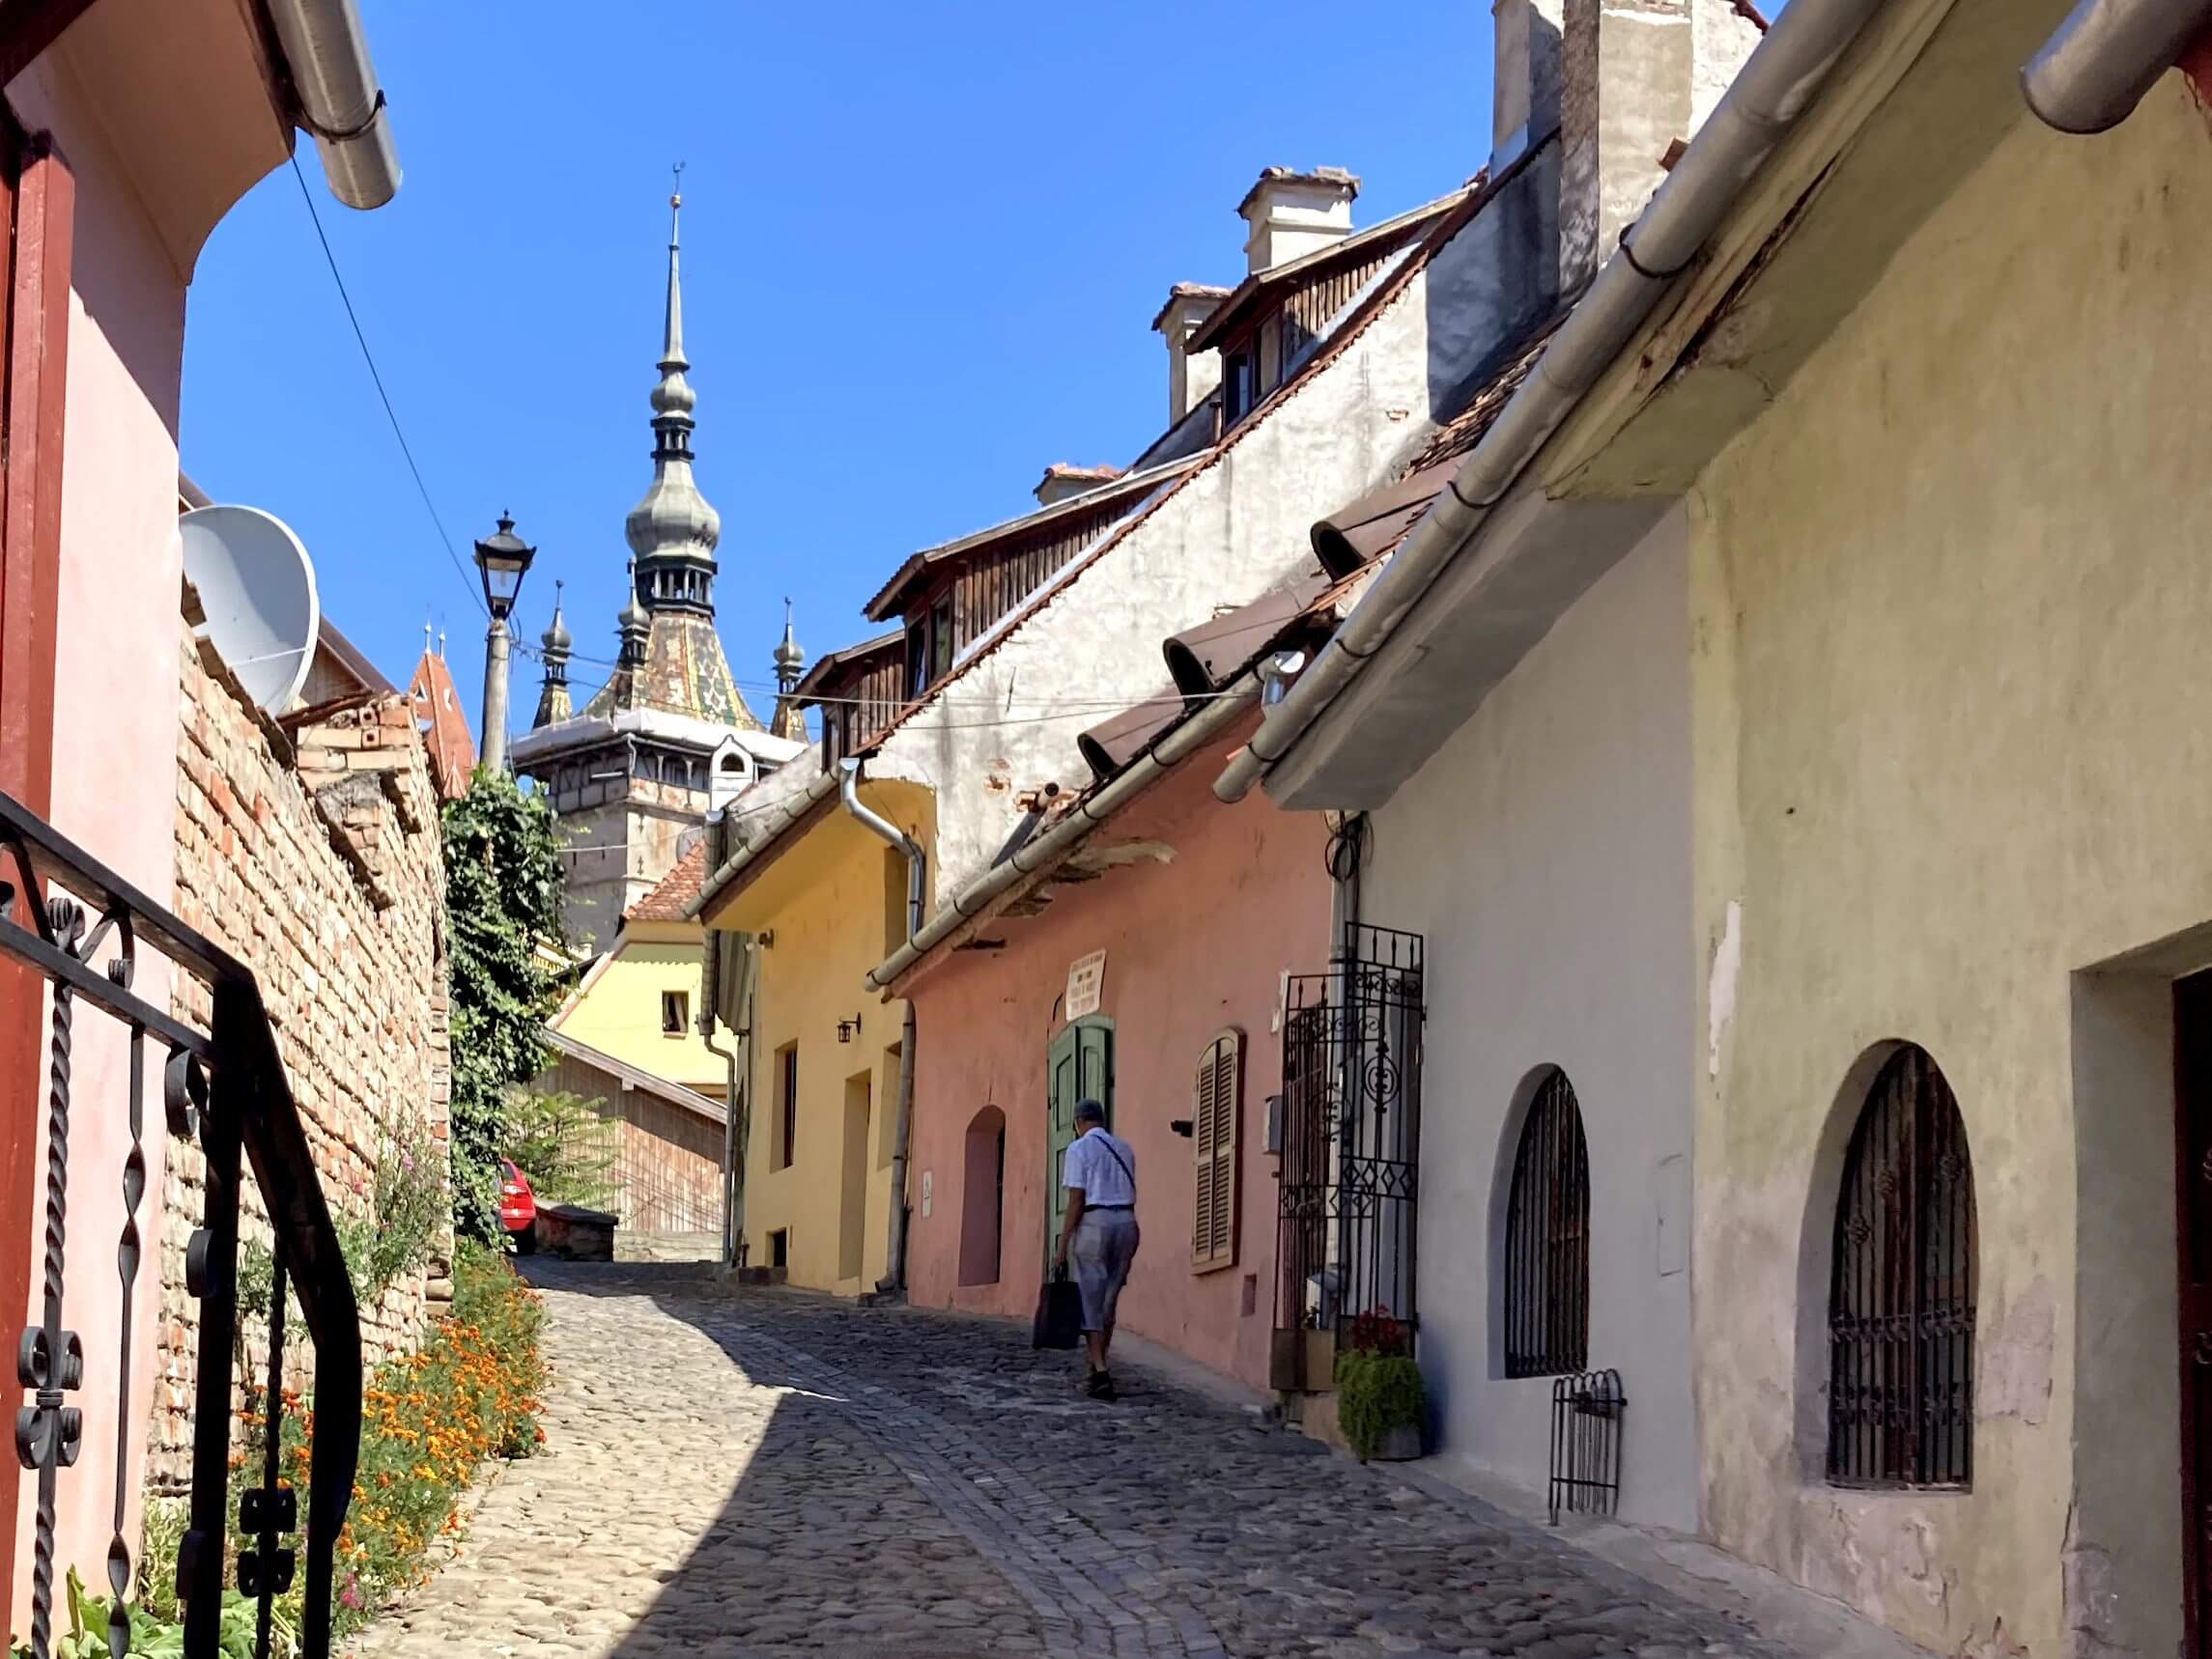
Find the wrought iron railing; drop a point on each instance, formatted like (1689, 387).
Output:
(81, 927)
(1349, 1179)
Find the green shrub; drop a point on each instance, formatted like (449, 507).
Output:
(564, 1144)
(1375, 1393)
(86, 1636)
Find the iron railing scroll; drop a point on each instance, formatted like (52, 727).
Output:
(81, 928)
(1348, 1183)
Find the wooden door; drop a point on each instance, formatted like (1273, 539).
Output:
(2193, 1144)
(1079, 1065)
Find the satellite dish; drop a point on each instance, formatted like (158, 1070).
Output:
(256, 589)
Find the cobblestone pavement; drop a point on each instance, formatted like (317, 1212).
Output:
(740, 1474)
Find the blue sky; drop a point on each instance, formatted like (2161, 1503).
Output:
(923, 247)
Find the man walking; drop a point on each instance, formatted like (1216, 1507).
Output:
(1101, 1226)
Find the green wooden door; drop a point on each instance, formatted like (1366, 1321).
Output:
(1079, 1064)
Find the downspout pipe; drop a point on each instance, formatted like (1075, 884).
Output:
(1758, 111)
(1056, 843)
(894, 1277)
(339, 101)
(2090, 76)
(732, 1101)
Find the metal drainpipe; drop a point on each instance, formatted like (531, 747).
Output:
(917, 866)
(2092, 72)
(340, 102)
(732, 1135)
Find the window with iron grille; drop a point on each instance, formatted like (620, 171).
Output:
(1547, 1239)
(1900, 1310)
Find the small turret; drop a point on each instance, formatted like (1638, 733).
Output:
(553, 705)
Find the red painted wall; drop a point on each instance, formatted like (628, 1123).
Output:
(1194, 943)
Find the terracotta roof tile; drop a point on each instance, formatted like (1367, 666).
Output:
(444, 727)
(677, 888)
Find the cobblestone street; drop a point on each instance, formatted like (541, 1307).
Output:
(733, 1473)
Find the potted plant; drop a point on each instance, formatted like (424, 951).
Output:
(1381, 1403)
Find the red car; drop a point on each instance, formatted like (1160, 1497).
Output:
(518, 1206)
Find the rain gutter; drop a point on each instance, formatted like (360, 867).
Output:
(1061, 839)
(336, 97)
(1758, 111)
(917, 874)
(2106, 55)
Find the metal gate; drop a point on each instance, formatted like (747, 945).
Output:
(1351, 1143)
(79, 931)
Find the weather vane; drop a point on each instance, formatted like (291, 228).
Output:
(676, 191)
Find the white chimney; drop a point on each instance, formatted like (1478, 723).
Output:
(1635, 76)
(1293, 214)
(1525, 76)
(1062, 482)
(1191, 376)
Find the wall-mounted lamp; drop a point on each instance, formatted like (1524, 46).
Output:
(848, 1029)
(1180, 1126)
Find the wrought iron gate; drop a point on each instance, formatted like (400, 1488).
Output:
(224, 1087)
(1351, 1138)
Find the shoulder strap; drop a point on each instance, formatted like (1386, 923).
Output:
(1118, 1159)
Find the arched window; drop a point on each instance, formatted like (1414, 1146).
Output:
(1901, 1288)
(983, 1197)
(1547, 1239)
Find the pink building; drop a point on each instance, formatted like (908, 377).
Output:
(132, 128)
(1179, 917)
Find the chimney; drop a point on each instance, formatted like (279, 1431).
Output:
(1292, 213)
(1634, 77)
(1191, 380)
(1063, 483)
(1525, 76)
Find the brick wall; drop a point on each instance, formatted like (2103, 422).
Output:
(313, 856)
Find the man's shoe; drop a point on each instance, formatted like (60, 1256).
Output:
(1102, 1386)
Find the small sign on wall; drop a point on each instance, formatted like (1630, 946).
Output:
(1086, 979)
(928, 1190)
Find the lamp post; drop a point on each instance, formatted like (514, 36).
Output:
(503, 560)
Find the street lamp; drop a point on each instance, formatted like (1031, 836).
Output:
(503, 560)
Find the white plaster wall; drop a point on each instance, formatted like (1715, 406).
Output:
(1234, 530)
(1546, 853)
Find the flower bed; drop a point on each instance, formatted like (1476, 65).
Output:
(428, 1423)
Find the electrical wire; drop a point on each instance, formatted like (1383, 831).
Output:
(369, 358)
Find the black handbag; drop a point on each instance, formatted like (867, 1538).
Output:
(1059, 1313)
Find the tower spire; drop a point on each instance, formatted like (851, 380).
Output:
(673, 329)
(790, 659)
(554, 704)
(673, 530)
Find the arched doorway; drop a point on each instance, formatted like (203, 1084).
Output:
(983, 1197)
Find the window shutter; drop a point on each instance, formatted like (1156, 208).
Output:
(1213, 1152)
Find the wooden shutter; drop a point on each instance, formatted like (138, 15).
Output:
(1219, 1089)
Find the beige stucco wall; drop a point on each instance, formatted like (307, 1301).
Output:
(1559, 935)
(1954, 747)
(617, 1010)
(825, 906)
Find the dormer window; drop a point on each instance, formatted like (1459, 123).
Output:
(1239, 384)
(917, 658)
(940, 637)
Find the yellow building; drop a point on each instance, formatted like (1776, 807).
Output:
(817, 900)
(640, 1001)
